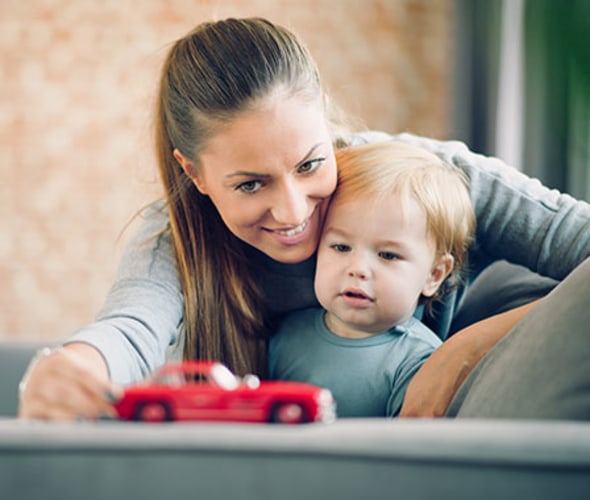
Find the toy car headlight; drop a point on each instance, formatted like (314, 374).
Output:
(251, 381)
(327, 406)
(325, 398)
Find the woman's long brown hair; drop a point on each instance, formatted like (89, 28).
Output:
(211, 75)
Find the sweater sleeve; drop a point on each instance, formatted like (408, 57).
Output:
(144, 307)
(518, 218)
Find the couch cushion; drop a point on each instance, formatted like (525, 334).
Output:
(350, 459)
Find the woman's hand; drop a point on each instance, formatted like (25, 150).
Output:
(68, 384)
(431, 390)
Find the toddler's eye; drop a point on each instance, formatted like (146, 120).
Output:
(388, 255)
(339, 247)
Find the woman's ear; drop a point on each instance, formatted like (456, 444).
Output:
(190, 169)
(442, 267)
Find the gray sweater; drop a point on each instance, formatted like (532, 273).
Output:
(518, 219)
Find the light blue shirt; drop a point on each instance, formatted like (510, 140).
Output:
(368, 377)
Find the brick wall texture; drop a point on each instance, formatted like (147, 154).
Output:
(77, 79)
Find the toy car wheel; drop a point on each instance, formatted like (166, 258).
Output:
(153, 411)
(288, 413)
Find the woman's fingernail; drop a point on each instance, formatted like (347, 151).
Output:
(111, 397)
(105, 416)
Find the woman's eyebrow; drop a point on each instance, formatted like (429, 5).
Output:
(309, 153)
(245, 173)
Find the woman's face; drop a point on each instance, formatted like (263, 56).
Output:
(270, 174)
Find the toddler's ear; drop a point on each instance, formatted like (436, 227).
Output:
(442, 267)
(190, 169)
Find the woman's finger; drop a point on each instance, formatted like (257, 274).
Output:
(59, 386)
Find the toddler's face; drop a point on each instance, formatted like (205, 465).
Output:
(375, 260)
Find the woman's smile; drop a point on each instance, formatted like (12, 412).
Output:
(292, 232)
(303, 235)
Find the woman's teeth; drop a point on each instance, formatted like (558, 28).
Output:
(293, 231)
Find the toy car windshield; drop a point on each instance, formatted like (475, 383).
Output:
(219, 375)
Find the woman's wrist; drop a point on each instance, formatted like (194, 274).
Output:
(39, 355)
(93, 358)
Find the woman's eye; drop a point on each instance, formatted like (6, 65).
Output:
(311, 165)
(249, 187)
(388, 255)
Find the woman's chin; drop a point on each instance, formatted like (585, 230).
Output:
(293, 255)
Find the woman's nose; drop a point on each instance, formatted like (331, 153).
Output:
(290, 206)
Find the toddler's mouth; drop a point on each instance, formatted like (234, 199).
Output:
(356, 294)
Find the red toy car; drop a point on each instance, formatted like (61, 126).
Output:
(208, 390)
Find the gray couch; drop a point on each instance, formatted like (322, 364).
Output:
(350, 459)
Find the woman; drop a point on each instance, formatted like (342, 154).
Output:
(246, 156)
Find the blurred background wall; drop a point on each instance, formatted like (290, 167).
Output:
(511, 78)
(77, 79)
(521, 86)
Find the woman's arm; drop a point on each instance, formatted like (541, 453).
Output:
(436, 382)
(144, 307)
(128, 340)
(518, 218)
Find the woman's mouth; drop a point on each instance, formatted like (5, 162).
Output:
(293, 236)
(293, 231)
